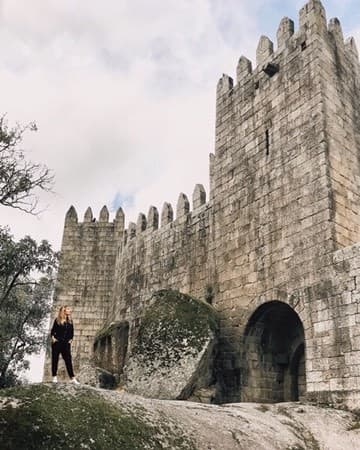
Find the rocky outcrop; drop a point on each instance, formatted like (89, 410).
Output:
(96, 377)
(64, 416)
(174, 351)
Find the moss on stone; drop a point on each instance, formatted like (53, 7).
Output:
(175, 324)
(107, 330)
(49, 417)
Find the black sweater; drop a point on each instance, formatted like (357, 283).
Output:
(62, 332)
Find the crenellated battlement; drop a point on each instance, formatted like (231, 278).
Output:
(145, 224)
(71, 217)
(290, 44)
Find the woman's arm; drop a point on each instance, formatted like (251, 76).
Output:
(53, 332)
(71, 332)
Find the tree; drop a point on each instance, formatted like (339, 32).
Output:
(27, 269)
(20, 178)
(26, 280)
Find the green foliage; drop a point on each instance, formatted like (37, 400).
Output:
(48, 417)
(26, 283)
(26, 268)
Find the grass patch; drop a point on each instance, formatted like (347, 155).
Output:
(47, 419)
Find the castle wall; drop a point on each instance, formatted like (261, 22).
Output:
(275, 190)
(340, 84)
(271, 192)
(333, 348)
(85, 280)
(279, 228)
(176, 255)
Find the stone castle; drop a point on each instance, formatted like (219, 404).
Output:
(276, 247)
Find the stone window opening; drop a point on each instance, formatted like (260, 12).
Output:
(110, 348)
(267, 142)
(303, 46)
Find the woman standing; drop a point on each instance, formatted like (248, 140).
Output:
(62, 333)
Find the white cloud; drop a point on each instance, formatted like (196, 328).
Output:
(123, 94)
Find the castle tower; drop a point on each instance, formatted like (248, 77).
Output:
(285, 187)
(85, 279)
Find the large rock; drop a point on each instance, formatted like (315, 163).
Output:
(173, 354)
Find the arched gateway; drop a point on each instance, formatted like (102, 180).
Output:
(273, 355)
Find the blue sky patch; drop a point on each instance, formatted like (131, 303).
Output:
(123, 201)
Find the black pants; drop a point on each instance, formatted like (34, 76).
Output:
(63, 348)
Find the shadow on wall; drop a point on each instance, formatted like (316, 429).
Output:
(110, 348)
(273, 355)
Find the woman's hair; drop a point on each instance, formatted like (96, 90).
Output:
(61, 316)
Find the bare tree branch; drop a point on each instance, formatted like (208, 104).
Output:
(20, 179)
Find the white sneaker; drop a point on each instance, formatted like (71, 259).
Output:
(74, 381)
(54, 380)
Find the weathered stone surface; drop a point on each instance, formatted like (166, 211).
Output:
(96, 377)
(174, 350)
(64, 416)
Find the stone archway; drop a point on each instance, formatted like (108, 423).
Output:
(273, 355)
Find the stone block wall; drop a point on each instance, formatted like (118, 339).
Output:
(85, 279)
(277, 219)
(275, 242)
(176, 254)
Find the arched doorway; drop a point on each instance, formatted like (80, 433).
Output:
(273, 355)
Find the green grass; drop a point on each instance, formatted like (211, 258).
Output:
(49, 419)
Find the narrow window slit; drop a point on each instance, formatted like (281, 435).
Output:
(267, 142)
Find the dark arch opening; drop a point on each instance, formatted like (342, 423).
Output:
(273, 355)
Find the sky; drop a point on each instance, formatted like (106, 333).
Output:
(123, 94)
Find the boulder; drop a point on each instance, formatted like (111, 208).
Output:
(175, 347)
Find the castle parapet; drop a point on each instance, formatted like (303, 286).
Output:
(104, 214)
(244, 69)
(131, 230)
(264, 50)
(167, 214)
(285, 31)
(141, 223)
(71, 216)
(224, 85)
(199, 196)
(350, 46)
(312, 17)
(336, 31)
(153, 218)
(183, 206)
(312, 23)
(120, 218)
(88, 216)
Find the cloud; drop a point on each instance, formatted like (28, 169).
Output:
(123, 95)
(123, 201)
